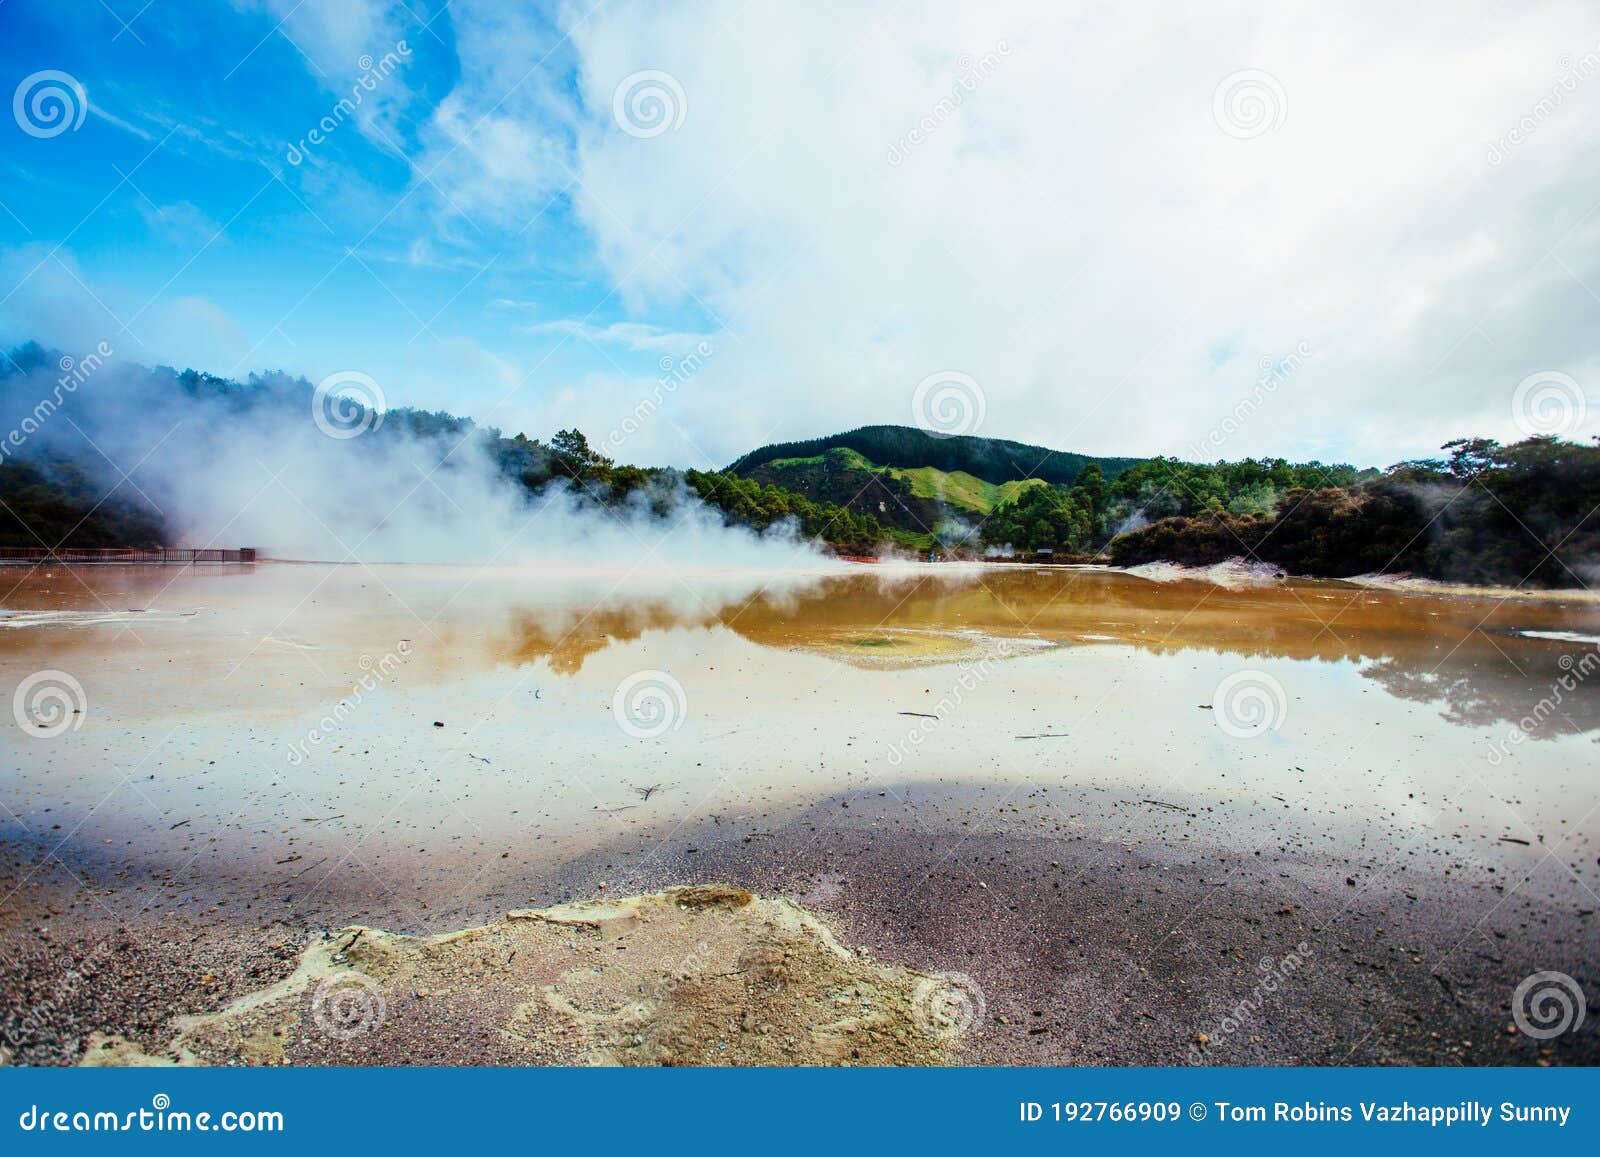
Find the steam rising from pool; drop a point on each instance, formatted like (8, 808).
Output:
(249, 465)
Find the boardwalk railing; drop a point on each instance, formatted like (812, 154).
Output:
(34, 555)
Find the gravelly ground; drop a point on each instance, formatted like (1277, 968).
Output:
(1138, 934)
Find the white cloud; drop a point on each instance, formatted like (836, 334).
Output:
(345, 43)
(183, 223)
(1071, 227)
(498, 147)
(1081, 236)
(631, 334)
(58, 304)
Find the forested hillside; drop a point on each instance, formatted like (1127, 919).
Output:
(1484, 513)
(907, 447)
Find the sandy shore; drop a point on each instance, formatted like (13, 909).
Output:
(1138, 933)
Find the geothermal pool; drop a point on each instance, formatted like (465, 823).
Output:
(424, 739)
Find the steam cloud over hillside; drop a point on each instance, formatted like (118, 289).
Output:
(268, 463)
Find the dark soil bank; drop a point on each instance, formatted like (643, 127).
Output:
(1129, 950)
(1118, 931)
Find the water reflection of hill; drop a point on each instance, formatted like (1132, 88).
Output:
(566, 638)
(1461, 653)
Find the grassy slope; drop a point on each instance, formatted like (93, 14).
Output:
(954, 488)
(958, 488)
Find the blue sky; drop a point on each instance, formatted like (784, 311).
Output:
(187, 221)
(1058, 208)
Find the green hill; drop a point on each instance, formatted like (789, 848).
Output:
(993, 460)
(914, 481)
(953, 488)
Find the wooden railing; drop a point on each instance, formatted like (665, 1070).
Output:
(183, 555)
